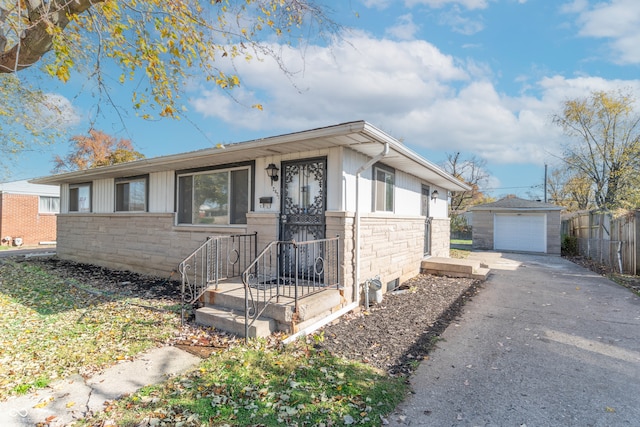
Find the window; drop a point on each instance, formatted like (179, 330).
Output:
(49, 204)
(384, 181)
(131, 194)
(80, 198)
(219, 197)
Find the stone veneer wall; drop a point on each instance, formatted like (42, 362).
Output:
(145, 243)
(341, 224)
(391, 247)
(266, 225)
(440, 237)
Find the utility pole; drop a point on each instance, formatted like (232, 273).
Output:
(545, 183)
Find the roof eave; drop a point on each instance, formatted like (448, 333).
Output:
(344, 135)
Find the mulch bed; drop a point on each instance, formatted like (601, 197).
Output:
(399, 332)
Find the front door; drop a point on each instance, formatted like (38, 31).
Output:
(424, 211)
(304, 195)
(304, 200)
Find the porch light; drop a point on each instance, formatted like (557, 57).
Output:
(272, 171)
(434, 195)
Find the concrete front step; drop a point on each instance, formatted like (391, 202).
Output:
(233, 321)
(454, 267)
(224, 310)
(232, 296)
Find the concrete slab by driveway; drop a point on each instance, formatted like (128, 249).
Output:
(545, 343)
(74, 397)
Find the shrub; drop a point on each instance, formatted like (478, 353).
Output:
(569, 245)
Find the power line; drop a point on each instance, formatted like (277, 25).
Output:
(510, 188)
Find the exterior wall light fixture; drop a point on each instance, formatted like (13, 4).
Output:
(434, 195)
(272, 172)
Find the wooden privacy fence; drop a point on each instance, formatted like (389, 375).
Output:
(612, 241)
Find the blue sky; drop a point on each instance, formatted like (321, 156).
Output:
(482, 77)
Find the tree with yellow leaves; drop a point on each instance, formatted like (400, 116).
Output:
(606, 145)
(158, 44)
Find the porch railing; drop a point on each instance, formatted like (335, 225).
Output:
(218, 258)
(288, 271)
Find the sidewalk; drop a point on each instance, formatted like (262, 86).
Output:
(73, 398)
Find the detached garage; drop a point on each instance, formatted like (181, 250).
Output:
(517, 225)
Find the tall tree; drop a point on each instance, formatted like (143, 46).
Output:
(471, 171)
(97, 149)
(606, 147)
(569, 189)
(157, 44)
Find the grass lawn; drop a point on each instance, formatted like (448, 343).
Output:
(255, 385)
(460, 242)
(51, 328)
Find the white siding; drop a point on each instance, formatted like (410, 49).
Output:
(264, 188)
(351, 162)
(408, 195)
(162, 192)
(439, 208)
(103, 195)
(64, 198)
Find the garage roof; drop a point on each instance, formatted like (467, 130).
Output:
(359, 136)
(516, 203)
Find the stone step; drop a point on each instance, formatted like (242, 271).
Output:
(232, 297)
(233, 321)
(481, 273)
(454, 267)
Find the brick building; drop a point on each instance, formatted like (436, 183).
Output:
(28, 213)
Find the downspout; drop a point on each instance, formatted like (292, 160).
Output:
(362, 168)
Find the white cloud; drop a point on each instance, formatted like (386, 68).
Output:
(461, 24)
(468, 4)
(617, 21)
(56, 111)
(434, 4)
(377, 4)
(411, 90)
(405, 28)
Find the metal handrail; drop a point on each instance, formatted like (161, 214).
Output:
(289, 269)
(218, 258)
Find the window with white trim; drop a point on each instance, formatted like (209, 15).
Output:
(80, 198)
(131, 194)
(214, 197)
(49, 204)
(384, 183)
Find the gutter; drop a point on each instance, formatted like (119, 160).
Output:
(362, 168)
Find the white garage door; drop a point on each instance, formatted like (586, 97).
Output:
(524, 232)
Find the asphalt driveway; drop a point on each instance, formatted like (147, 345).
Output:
(545, 343)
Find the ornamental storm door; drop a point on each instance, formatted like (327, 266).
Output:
(424, 211)
(304, 201)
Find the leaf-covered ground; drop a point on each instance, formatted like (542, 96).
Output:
(53, 326)
(64, 318)
(628, 281)
(258, 385)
